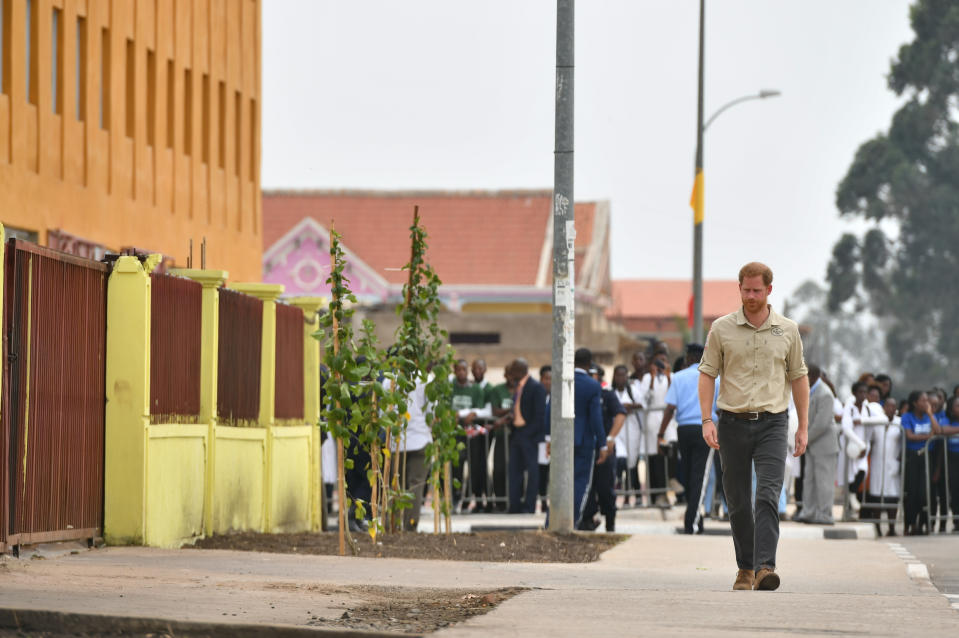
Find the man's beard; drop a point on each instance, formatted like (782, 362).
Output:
(754, 305)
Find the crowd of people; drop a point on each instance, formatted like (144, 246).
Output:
(881, 450)
(650, 458)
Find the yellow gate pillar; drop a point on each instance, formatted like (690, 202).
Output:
(268, 294)
(128, 395)
(211, 280)
(311, 398)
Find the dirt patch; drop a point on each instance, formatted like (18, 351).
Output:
(375, 611)
(498, 546)
(414, 610)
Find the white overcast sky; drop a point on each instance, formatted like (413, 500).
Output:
(450, 94)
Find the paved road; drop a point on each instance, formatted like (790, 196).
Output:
(940, 553)
(649, 585)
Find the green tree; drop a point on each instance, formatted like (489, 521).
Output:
(421, 349)
(908, 176)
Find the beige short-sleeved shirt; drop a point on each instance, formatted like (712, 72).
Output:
(755, 366)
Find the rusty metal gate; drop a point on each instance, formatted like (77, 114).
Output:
(52, 420)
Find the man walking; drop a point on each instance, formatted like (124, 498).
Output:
(682, 399)
(819, 479)
(758, 355)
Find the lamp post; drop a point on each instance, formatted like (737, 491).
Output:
(561, 513)
(698, 195)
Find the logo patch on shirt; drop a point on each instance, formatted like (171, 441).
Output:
(777, 331)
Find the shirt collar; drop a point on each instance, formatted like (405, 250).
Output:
(581, 370)
(774, 318)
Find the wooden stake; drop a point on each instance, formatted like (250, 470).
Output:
(375, 462)
(409, 286)
(340, 471)
(436, 497)
(448, 495)
(384, 478)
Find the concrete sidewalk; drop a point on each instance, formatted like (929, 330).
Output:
(664, 584)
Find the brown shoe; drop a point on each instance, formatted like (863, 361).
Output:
(766, 579)
(744, 580)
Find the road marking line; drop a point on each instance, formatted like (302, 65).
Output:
(917, 571)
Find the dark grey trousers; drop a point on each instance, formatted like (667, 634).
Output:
(743, 444)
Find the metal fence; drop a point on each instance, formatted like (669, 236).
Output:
(175, 328)
(289, 362)
(54, 346)
(238, 361)
(485, 463)
(885, 448)
(645, 465)
(942, 482)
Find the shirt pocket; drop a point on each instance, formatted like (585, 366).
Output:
(739, 355)
(771, 355)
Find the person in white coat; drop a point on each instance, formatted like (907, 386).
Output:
(653, 388)
(858, 415)
(885, 478)
(629, 439)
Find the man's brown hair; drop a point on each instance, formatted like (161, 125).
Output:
(755, 269)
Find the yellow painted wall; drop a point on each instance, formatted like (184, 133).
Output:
(127, 414)
(168, 484)
(176, 470)
(239, 479)
(292, 451)
(177, 155)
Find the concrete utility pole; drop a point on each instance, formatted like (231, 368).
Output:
(564, 312)
(697, 202)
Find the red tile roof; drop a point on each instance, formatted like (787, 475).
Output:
(474, 237)
(670, 298)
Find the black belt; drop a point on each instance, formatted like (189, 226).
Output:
(750, 416)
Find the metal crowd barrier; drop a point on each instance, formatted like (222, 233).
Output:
(882, 505)
(487, 440)
(645, 495)
(945, 506)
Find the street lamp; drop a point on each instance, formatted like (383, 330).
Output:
(762, 95)
(697, 200)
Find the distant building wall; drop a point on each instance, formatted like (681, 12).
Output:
(134, 124)
(517, 335)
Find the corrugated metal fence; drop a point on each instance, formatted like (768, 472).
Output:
(238, 362)
(53, 395)
(289, 362)
(175, 326)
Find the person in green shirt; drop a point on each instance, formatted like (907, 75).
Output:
(500, 399)
(472, 411)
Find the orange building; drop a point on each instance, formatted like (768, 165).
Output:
(660, 309)
(133, 123)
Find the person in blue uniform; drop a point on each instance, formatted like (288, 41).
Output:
(589, 439)
(682, 401)
(603, 493)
